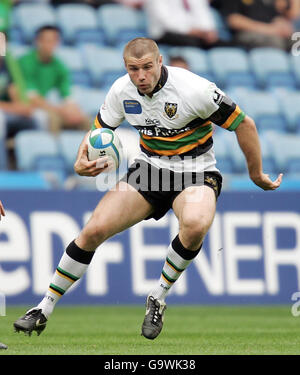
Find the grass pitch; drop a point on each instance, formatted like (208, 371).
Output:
(190, 330)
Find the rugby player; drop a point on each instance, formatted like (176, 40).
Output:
(174, 111)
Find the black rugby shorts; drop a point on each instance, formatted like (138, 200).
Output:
(160, 186)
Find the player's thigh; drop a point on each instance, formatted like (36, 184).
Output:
(118, 210)
(195, 207)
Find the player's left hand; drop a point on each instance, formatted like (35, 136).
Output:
(264, 181)
(2, 211)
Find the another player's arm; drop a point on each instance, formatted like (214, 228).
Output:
(248, 140)
(83, 166)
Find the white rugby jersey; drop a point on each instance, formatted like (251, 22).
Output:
(175, 124)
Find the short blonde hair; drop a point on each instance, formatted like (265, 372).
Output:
(139, 47)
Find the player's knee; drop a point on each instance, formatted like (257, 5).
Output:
(94, 235)
(195, 227)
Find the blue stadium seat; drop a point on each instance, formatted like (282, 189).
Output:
(121, 23)
(78, 23)
(269, 162)
(289, 101)
(30, 145)
(3, 157)
(17, 50)
(234, 151)
(286, 151)
(263, 108)
(68, 143)
(105, 64)
(71, 57)
(222, 152)
(231, 67)
(272, 67)
(29, 17)
(296, 68)
(89, 99)
(196, 58)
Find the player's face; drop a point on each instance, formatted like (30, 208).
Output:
(144, 72)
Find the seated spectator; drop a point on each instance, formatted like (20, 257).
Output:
(259, 23)
(179, 61)
(45, 73)
(181, 23)
(15, 113)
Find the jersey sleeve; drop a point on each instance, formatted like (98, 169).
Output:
(111, 112)
(220, 109)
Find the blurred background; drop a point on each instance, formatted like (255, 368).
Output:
(52, 84)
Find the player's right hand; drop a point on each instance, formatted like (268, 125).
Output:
(84, 167)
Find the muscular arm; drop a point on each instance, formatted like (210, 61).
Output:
(248, 140)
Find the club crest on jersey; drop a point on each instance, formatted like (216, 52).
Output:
(171, 109)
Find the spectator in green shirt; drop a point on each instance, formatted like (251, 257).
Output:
(43, 73)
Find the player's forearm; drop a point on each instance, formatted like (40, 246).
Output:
(249, 143)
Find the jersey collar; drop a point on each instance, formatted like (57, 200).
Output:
(161, 82)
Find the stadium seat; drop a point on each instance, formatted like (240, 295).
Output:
(89, 99)
(68, 143)
(29, 17)
(79, 24)
(234, 151)
(105, 64)
(121, 23)
(71, 57)
(263, 108)
(286, 151)
(296, 68)
(17, 50)
(3, 158)
(272, 67)
(231, 67)
(196, 58)
(30, 145)
(289, 101)
(269, 162)
(222, 152)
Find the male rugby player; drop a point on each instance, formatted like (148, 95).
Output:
(173, 109)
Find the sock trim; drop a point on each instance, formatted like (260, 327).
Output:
(182, 251)
(57, 290)
(66, 275)
(81, 256)
(173, 266)
(168, 278)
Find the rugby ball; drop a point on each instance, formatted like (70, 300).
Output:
(105, 143)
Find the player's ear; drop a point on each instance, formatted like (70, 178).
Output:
(160, 60)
